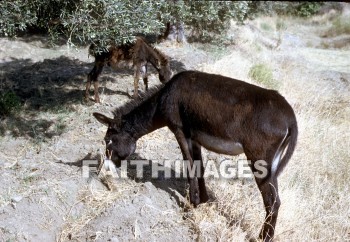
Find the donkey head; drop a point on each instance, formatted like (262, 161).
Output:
(165, 72)
(119, 143)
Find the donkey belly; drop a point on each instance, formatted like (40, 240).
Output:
(218, 145)
(122, 64)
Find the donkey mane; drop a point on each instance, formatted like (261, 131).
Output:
(133, 103)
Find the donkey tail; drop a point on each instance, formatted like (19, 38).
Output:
(290, 141)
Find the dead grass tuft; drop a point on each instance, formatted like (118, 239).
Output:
(262, 73)
(95, 201)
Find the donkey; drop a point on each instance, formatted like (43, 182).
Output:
(221, 114)
(136, 54)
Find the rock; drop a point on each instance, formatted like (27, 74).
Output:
(149, 186)
(16, 199)
(135, 200)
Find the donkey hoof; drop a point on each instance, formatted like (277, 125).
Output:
(135, 96)
(204, 198)
(195, 200)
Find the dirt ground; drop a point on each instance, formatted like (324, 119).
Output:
(44, 196)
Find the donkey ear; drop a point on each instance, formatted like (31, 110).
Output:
(103, 119)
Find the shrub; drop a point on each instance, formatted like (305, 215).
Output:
(306, 9)
(9, 102)
(301, 9)
(266, 27)
(208, 20)
(263, 75)
(340, 25)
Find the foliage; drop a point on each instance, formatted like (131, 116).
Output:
(15, 16)
(82, 21)
(307, 9)
(209, 19)
(111, 21)
(294, 8)
(118, 21)
(9, 102)
(108, 21)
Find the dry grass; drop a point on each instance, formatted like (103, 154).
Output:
(235, 215)
(315, 183)
(96, 200)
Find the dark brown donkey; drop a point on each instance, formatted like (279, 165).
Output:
(136, 54)
(221, 114)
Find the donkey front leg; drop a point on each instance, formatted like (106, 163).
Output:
(88, 84)
(186, 152)
(197, 155)
(92, 77)
(97, 97)
(87, 89)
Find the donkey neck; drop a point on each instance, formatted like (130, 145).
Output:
(143, 119)
(156, 58)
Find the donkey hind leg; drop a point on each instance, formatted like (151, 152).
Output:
(185, 147)
(136, 80)
(92, 77)
(268, 188)
(269, 191)
(143, 72)
(97, 97)
(197, 155)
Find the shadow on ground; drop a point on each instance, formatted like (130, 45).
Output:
(54, 86)
(45, 86)
(174, 186)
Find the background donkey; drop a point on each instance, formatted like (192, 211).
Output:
(136, 54)
(224, 115)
